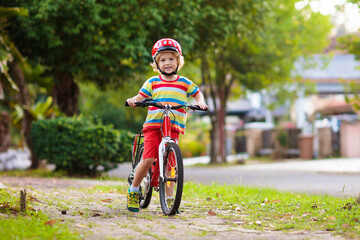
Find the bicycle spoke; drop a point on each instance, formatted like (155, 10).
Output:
(171, 187)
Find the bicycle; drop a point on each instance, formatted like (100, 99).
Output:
(166, 174)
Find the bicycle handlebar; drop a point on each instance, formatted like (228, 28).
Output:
(150, 102)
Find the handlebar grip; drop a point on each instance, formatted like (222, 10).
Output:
(196, 107)
(138, 104)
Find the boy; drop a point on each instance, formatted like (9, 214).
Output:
(167, 88)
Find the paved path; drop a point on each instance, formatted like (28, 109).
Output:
(339, 177)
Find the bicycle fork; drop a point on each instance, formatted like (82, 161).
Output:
(166, 132)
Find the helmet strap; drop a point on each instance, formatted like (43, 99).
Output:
(167, 74)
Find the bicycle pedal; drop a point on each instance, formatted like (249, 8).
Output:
(130, 178)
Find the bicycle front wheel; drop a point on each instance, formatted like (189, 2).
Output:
(171, 187)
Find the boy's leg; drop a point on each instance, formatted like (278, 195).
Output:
(152, 140)
(141, 171)
(171, 167)
(133, 192)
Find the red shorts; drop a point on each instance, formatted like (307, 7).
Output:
(152, 139)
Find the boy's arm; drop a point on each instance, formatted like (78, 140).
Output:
(201, 101)
(133, 100)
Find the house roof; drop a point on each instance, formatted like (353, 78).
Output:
(336, 107)
(329, 69)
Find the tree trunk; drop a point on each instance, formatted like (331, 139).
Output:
(222, 130)
(5, 140)
(221, 113)
(219, 88)
(1, 92)
(210, 94)
(19, 79)
(66, 94)
(214, 141)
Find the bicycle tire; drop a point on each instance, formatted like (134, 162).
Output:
(145, 185)
(173, 181)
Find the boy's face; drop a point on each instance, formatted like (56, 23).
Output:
(167, 62)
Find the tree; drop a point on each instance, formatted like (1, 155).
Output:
(251, 43)
(257, 48)
(104, 42)
(216, 23)
(11, 69)
(351, 42)
(6, 46)
(19, 73)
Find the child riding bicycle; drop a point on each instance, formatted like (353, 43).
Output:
(167, 88)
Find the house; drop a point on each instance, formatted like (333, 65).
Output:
(317, 113)
(330, 75)
(325, 112)
(325, 107)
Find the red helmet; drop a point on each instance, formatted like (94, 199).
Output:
(166, 44)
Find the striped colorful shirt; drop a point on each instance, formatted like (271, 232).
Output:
(174, 93)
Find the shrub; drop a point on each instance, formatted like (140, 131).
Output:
(194, 142)
(79, 145)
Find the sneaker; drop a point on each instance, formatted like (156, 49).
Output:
(170, 201)
(132, 201)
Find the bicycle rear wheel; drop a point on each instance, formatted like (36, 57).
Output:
(145, 185)
(171, 187)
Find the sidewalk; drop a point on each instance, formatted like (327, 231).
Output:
(334, 165)
(206, 159)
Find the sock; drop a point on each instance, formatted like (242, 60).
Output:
(134, 189)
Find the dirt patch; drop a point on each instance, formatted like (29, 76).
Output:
(97, 209)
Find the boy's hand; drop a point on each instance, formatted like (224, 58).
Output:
(201, 101)
(131, 102)
(202, 105)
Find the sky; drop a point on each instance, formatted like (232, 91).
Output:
(350, 17)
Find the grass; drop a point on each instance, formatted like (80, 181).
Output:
(41, 173)
(121, 188)
(32, 225)
(269, 209)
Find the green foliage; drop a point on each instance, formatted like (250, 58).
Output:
(6, 46)
(353, 88)
(40, 110)
(78, 145)
(12, 12)
(105, 41)
(351, 43)
(354, 2)
(109, 106)
(257, 42)
(282, 137)
(194, 143)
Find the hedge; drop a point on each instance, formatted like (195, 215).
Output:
(79, 145)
